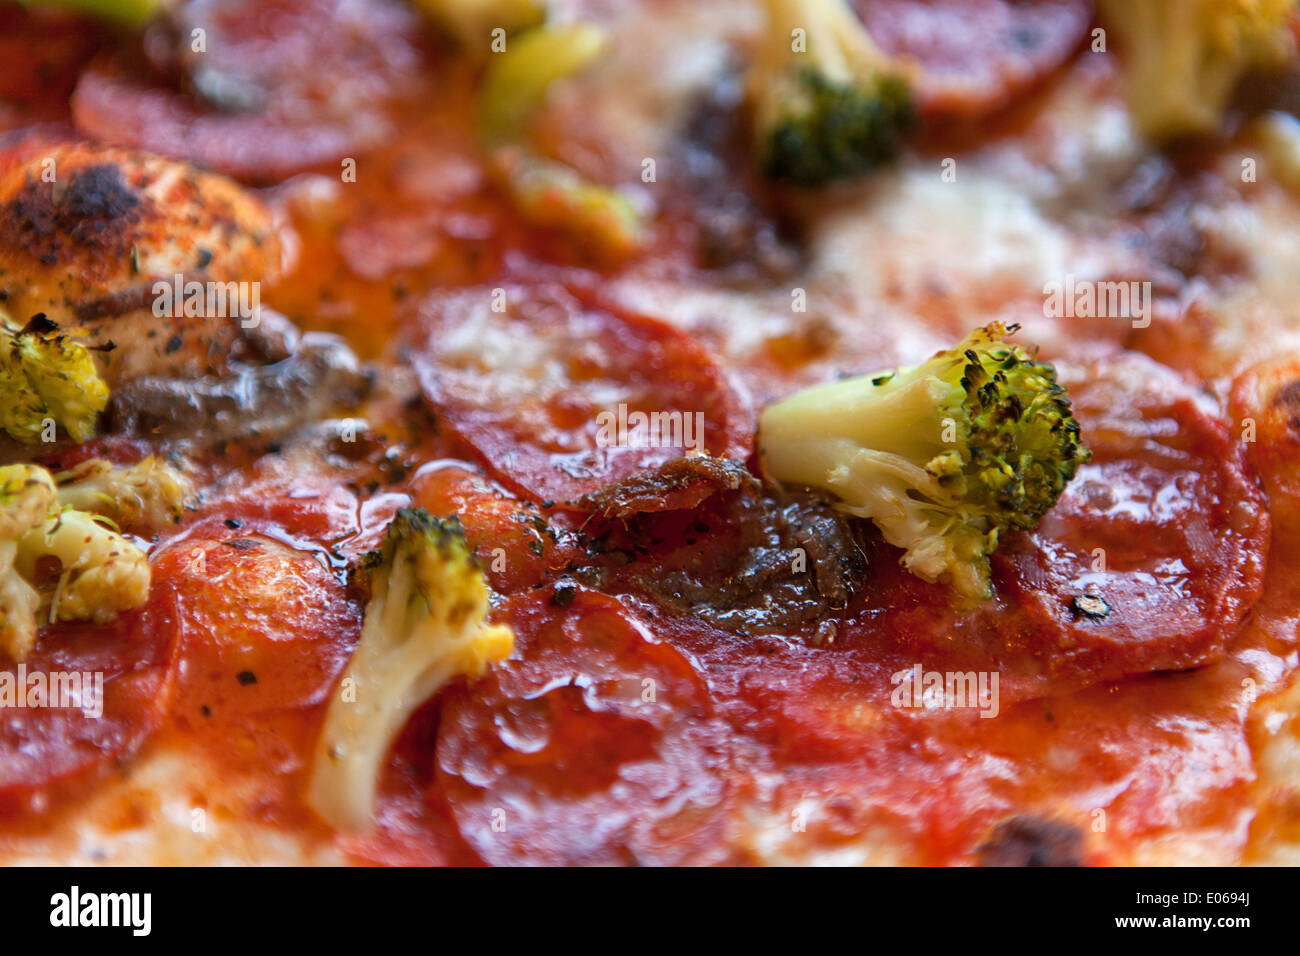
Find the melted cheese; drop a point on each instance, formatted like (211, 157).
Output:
(171, 808)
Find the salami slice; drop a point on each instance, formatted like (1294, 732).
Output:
(279, 87)
(86, 699)
(594, 744)
(263, 628)
(977, 56)
(560, 396)
(1156, 551)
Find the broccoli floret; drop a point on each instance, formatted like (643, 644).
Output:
(471, 22)
(601, 220)
(46, 375)
(605, 223)
(828, 103)
(1184, 58)
(96, 572)
(425, 623)
(144, 497)
(943, 457)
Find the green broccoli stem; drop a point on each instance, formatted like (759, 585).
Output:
(807, 436)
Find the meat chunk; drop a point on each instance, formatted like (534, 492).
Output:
(703, 536)
(678, 484)
(317, 376)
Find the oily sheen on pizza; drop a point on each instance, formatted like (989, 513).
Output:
(650, 432)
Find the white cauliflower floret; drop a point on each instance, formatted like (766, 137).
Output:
(26, 496)
(96, 572)
(101, 573)
(146, 496)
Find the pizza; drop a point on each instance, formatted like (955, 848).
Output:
(660, 432)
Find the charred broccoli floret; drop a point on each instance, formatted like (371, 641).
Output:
(96, 572)
(47, 377)
(828, 103)
(943, 457)
(425, 623)
(1184, 57)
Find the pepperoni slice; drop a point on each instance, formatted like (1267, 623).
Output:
(413, 825)
(593, 744)
(259, 631)
(977, 56)
(282, 86)
(549, 390)
(262, 629)
(518, 544)
(45, 746)
(1155, 552)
